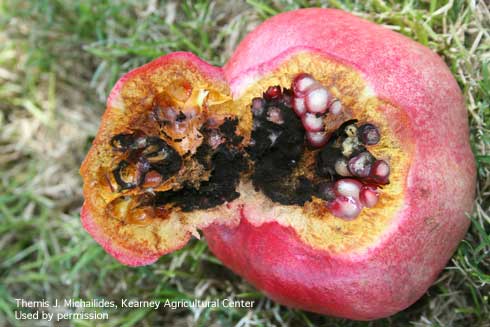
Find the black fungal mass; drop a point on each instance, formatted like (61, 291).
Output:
(326, 159)
(146, 153)
(228, 130)
(276, 150)
(226, 163)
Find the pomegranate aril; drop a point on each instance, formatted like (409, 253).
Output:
(336, 108)
(316, 99)
(368, 196)
(345, 207)
(360, 165)
(312, 122)
(273, 92)
(142, 168)
(380, 171)
(369, 134)
(299, 106)
(348, 187)
(342, 168)
(317, 139)
(124, 175)
(301, 83)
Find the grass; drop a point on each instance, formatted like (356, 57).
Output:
(59, 59)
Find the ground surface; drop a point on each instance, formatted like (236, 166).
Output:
(59, 59)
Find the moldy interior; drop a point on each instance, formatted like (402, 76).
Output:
(253, 149)
(277, 159)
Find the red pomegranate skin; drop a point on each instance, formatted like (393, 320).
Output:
(122, 254)
(396, 271)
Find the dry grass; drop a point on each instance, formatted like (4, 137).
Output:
(58, 60)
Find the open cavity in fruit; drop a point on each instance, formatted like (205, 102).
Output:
(303, 144)
(177, 152)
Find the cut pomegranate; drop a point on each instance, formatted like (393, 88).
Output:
(280, 157)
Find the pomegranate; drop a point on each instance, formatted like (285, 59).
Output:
(333, 171)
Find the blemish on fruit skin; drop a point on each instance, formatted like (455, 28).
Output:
(432, 223)
(425, 192)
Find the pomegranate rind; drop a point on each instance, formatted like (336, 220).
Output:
(123, 254)
(394, 272)
(188, 60)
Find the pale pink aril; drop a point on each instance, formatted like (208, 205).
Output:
(336, 108)
(380, 171)
(316, 99)
(345, 207)
(368, 196)
(312, 122)
(348, 187)
(301, 83)
(317, 139)
(299, 106)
